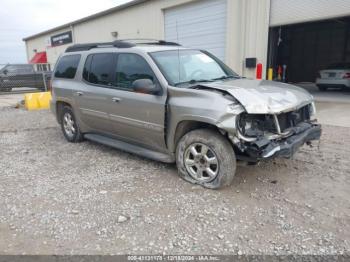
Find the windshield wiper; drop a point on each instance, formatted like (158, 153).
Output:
(225, 77)
(193, 81)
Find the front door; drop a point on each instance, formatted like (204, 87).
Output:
(137, 117)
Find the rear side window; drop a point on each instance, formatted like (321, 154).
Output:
(98, 68)
(67, 66)
(132, 67)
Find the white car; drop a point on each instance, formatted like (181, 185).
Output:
(334, 76)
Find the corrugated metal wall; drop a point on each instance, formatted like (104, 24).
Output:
(199, 25)
(296, 11)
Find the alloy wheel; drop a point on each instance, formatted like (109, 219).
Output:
(69, 125)
(201, 162)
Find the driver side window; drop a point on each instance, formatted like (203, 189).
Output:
(131, 67)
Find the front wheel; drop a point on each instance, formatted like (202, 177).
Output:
(205, 157)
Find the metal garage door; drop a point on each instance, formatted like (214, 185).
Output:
(296, 11)
(199, 25)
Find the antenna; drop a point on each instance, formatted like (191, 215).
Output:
(178, 52)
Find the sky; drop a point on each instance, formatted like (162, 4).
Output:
(22, 18)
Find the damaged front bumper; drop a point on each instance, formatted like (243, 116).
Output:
(288, 146)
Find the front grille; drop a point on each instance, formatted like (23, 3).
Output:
(291, 119)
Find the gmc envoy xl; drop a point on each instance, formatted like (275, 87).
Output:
(175, 104)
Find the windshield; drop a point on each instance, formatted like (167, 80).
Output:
(191, 66)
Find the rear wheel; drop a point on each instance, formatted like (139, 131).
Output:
(69, 126)
(205, 157)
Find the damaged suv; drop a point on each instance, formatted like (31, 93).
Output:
(174, 104)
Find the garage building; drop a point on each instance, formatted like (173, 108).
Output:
(303, 35)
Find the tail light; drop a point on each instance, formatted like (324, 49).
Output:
(346, 75)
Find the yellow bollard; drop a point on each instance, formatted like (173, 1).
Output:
(270, 74)
(31, 101)
(36, 101)
(44, 100)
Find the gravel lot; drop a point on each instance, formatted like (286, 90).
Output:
(62, 198)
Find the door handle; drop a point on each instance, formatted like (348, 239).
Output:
(116, 99)
(79, 93)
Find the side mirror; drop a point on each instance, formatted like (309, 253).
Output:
(5, 71)
(146, 86)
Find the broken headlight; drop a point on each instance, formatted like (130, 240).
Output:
(255, 125)
(312, 110)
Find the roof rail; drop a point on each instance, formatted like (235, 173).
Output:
(124, 43)
(147, 41)
(85, 47)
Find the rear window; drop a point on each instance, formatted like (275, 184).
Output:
(339, 66)
(67, 66)
(99, 68)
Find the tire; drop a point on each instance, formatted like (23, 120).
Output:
(188, 163)
(69, 126)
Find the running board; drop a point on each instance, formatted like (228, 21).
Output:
(131, 148)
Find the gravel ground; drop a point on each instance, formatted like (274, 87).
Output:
(62, 198)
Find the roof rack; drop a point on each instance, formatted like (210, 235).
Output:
(85, 47)
(125, 43)
(147, 41)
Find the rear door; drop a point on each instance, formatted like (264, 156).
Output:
(137, 117)
(92, 97)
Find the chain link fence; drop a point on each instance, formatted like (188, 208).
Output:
(23, 78)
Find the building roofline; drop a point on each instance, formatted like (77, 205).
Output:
(87, 18)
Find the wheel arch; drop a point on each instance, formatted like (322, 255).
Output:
(59, 107)
(185, 126)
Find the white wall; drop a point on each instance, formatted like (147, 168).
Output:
(247, 30)
(248, 26)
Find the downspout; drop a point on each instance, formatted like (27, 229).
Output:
(27, 51)
(73, 33)
(244, 34)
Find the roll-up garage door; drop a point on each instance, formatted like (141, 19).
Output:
(285, 12)
(199, 25)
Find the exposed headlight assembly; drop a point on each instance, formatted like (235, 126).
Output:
(312, 108)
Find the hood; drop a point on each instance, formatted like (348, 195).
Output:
(264, 97)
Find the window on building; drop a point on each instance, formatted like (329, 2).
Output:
(131, 67)
(98, 68)
(67, 66)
